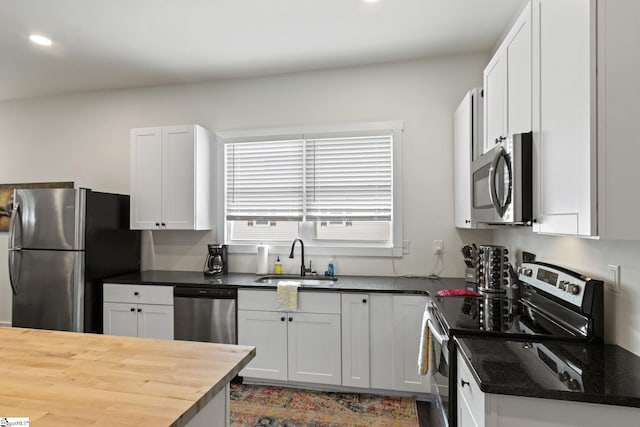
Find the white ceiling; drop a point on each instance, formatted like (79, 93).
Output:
(109, 44)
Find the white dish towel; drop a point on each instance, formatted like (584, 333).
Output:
(425, 348)
(287, 295)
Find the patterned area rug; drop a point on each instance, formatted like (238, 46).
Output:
(258, 406)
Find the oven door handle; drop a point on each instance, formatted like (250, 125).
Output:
(436, 334)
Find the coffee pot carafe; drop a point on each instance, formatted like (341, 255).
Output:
(216, 262)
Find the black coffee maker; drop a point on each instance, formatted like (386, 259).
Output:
(216, 262)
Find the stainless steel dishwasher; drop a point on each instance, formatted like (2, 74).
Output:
(206, 314)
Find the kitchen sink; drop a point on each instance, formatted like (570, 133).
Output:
(303, 280)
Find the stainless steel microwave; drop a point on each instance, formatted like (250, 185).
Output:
(502, 183)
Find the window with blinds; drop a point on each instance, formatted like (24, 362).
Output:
(348, 178)
(264, 180)
(331, 188)
(320, 179)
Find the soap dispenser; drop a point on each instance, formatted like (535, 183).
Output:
(277, 269)
(330, 270)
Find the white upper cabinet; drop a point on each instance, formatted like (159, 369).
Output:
(584, 113)
(507, 84)
(495, 98)
(467, 143)
(171, 178)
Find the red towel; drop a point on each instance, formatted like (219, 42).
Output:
(458, 293)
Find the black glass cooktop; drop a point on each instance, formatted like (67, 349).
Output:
(496, 315)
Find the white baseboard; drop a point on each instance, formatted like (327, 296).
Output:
(338, 388)
(5, 323)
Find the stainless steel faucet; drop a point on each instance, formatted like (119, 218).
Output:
(303, 269)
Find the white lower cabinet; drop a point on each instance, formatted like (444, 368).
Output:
(479, 409)
(472, 403)
(395, 329)
(408, 311)
(138, 311)
(302, 346)
(267, 331)
(314, 348)
(355, 340)
(350, 339)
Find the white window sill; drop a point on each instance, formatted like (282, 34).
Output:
(319, 250)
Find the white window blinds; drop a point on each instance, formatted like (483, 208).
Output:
(264, 179)
(347, 178)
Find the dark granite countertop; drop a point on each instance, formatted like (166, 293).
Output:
(603, 374)
(410, 285)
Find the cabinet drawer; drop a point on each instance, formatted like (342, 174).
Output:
(471, 392)
(308, 302)
(138, 294)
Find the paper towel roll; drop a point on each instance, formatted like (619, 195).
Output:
(263, 259)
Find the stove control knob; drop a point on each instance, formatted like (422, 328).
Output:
(563, 376)
(526, 271)
(573, 289)
(573, 384)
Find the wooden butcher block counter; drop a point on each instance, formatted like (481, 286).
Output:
(71, 379)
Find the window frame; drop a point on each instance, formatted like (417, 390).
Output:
(395, 128)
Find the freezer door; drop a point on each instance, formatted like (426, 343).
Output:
(49, 289)
(48, 219)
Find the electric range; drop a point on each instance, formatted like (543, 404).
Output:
(555, 304)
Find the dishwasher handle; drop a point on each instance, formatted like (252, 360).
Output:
(208, 292)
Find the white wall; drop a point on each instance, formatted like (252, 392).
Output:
(591, 257)
(84, 138)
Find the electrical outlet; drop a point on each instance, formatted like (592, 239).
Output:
(614, 278)
(406, 246)
(438, 247)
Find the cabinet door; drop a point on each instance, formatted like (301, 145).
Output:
(519, 68)
(563, 118)
(470, 395)
(495, 100)
(146, 178)
(314, 348)
(355, 340)
(178, 177)
(382, 341)
(465, 417)
(462, 153)
(155, 321)
(408, 311)
(120, 319)
(267, 331)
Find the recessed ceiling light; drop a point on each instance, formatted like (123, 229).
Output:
(371, 1)
(41, 40)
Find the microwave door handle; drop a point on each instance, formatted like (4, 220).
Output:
(493, 190)
(507, 202)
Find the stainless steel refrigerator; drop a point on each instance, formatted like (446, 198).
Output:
(62, 244)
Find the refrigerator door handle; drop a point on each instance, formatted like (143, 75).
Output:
(15, 214)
